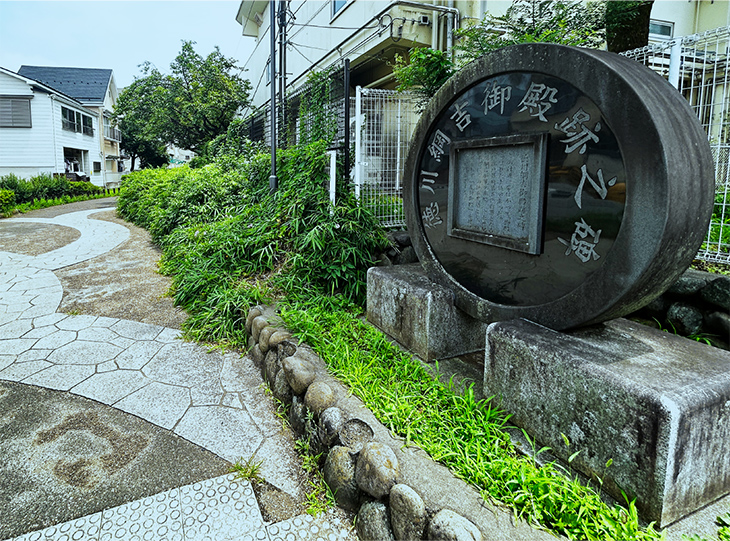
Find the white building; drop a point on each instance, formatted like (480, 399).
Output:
(96, 90)
(43, 130)
(369, 33)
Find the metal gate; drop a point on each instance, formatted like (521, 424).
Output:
(384, 123)
(697, 66)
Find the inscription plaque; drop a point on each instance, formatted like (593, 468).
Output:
(497, 191)
(532, 191)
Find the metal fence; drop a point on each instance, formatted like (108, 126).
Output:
(697, 66)
(384, 123)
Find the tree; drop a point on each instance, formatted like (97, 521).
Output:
(202, 97)
(191, 106)
(627, 24)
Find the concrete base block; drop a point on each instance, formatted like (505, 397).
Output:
(405, 304)
(656, 404)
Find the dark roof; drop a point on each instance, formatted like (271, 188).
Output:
(84, 84)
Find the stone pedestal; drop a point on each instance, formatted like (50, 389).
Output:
(420, 314)
(656, 404)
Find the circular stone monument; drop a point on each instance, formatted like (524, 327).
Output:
(562, 185)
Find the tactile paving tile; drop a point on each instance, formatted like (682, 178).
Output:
(154, 518)
(219, 509)
(84, 528)
(301, 528)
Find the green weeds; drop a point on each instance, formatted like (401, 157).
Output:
(248, 470)
(465, 434)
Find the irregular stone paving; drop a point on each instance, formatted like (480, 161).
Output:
(209, 398)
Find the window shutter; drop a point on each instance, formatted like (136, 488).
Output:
(14, 113)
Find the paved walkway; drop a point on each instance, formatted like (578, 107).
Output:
(214, 400)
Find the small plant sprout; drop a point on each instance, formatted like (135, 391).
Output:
(248, 470)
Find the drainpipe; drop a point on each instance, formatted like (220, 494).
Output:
(53, 123)
(450, 31)
(435, 28)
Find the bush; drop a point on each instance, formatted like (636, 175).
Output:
(228, 242)
(7, 202)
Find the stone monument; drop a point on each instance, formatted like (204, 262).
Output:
(568, 187)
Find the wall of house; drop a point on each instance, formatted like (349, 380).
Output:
(27, 151)
(316, 35)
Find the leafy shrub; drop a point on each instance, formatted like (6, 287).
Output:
(84, 188)
(221, 231)
(7, 202)
(22, 188)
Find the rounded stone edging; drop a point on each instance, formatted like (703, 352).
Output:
(365, 465)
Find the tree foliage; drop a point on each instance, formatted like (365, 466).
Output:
(627, 24)
(188, 107)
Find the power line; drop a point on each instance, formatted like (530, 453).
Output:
(335, 27)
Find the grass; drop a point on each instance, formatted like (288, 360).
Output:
(319, 497)
(248, 470)
(465, 434)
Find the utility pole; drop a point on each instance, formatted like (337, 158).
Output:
(283, 8)
(273, 181)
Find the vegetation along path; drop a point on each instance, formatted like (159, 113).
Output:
(112, 425)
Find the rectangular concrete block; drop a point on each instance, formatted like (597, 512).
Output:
(656, 404)
(420, 314)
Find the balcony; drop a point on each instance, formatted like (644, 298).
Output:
(113, 134)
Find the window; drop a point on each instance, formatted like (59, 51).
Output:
(15, 113)
(74, 121)
(661, 30)
(337, 5)
(97, 167)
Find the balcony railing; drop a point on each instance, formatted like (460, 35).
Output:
(76, 127)
(112, 133)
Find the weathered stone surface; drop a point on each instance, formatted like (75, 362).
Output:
(658, 306)
(252, 314)
(654, 403)
(377, 469)
(257, 355)
(406, 256)
(319, 397)
(299, 373)
(278, 337)
(271, 367)
(401, 238)
(339, 474)
(407, 513)
(690, 282)
(355, 433)
(449, 526)
(373, 523)
(717, 292)
(685, 318)
(405, 304)
(330, 422)
(281, 389)
(259, 322)
(719, 322)
(286, 348)
(298, 414)
(264, 336)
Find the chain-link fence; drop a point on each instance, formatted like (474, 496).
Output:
(384, 123)
(697, 66)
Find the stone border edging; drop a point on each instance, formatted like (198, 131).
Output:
(398, 492)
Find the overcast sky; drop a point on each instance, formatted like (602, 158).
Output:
(116, 34)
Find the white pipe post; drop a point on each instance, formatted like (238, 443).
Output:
(358, 141)
(675, 62)
(333, 176)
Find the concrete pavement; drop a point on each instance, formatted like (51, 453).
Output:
(209, 398)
